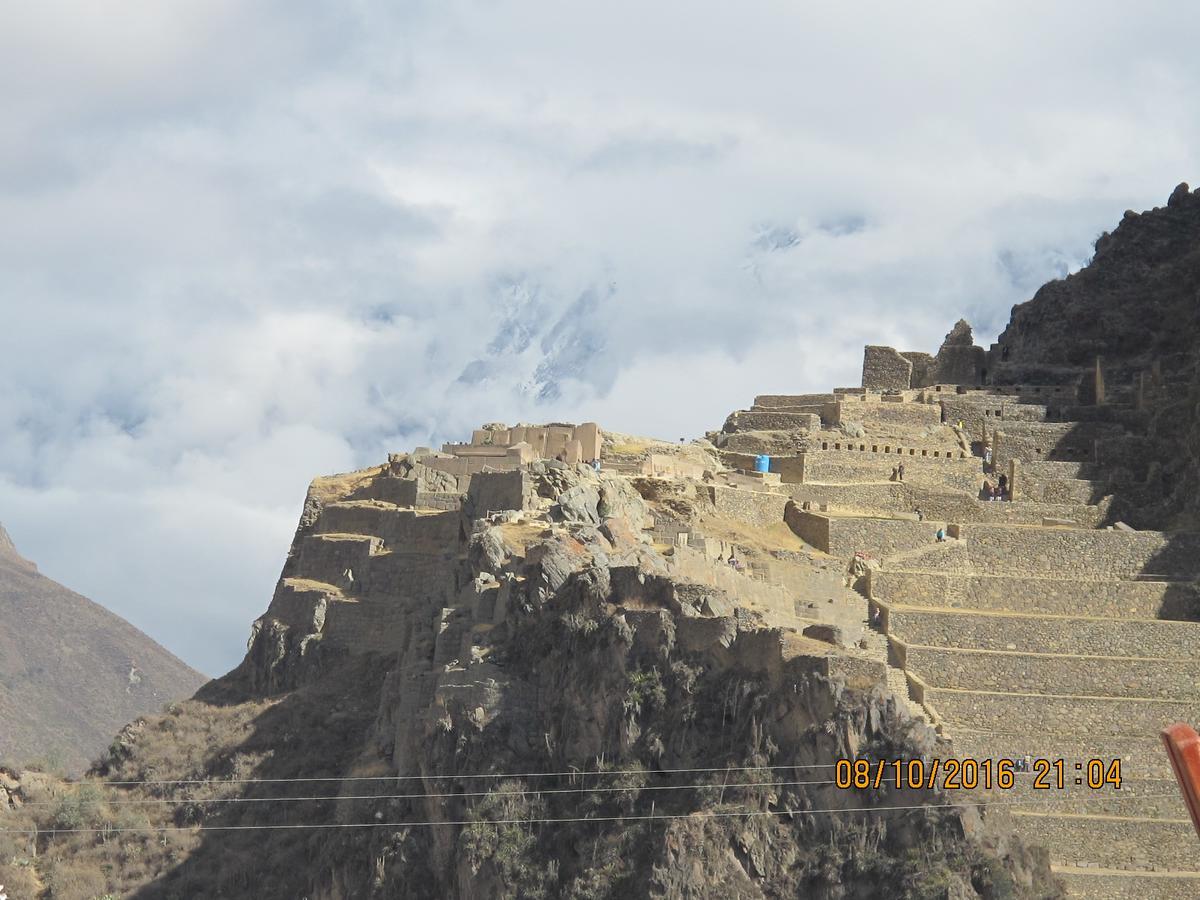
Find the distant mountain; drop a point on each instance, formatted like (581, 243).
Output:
(72, 673)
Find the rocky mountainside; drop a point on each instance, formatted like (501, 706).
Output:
(528, 695)
(553, 682)
(1136, 308)
(71, 672)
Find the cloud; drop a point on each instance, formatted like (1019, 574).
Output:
(245, 244)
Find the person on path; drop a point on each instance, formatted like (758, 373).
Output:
(941, 535)
(900, 471)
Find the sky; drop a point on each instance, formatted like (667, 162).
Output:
(245, 244)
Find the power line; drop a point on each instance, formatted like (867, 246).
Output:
(542, 821)
(571, 773)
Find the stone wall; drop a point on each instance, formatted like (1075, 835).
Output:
(441, 500)
(960, 364)
(876, 499)
(1053, 714)
(1086, 555)
(1043, 596)
(774, 443)
(666, 465)
(836, 466)
(1113, 843)
(981, 414)
(809, 527)
(1038, 441)
(843, 537)
(771, 420)
(769, 401)
(394, 526)
(1047, 488)
(874, 414)
(496, 491)
(462, 466)
(753, 507)
(696, 567)
(1036, 634)
(885, 369)
(327, 557)
(902, 498)
(999, 670)
(1027, 510)
(924, 368)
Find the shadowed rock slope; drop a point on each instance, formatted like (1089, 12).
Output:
(71, 672)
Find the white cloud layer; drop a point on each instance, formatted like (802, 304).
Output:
(245, 244)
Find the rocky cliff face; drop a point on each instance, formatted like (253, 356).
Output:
(522, 698)
(1136, 308)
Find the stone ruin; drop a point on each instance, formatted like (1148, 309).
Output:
(958, 361)
(512, 447)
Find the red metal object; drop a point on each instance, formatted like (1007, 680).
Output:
(1183, 747)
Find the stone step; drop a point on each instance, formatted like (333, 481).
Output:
(1057, 714)
(933, 586)
(1031, 633)
(1095, 883)
(1094, 676)
(1111, 841)
(1142, 756)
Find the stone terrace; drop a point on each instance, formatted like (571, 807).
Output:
(1032, 630)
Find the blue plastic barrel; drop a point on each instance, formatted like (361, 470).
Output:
(762, 463)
